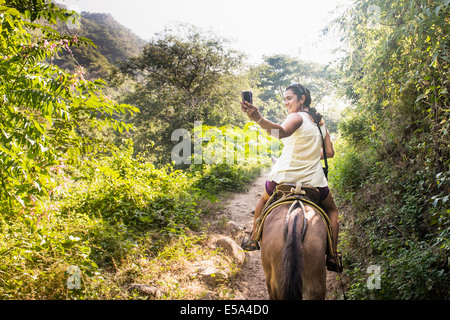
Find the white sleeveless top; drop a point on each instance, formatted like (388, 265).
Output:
(300, 158)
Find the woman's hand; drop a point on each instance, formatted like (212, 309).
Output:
(252, 111)
(287, 128)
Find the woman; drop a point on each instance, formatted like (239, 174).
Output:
(300, 159)
(328, 204)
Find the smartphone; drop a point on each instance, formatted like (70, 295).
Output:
(247, 96)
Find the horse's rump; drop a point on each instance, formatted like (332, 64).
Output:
(293, 248)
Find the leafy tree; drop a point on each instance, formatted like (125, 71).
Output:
(183, 76)
(42, 106)
(276, 73)
(279, 71)
(396, 72)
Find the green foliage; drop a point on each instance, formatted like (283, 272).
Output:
(224, 177)
(101, 215)
(71, 201)
(233, 156)
(183, 75)
(409, 270)
(347, 173)
(396, 171)
(124, 190)
(279, 71)
(94, 219)
(387, 224)
(41, 105)
(38, 246)
(355, 127)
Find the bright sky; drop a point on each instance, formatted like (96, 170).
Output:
(256, 28)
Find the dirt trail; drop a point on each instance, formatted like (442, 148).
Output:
(250, 284)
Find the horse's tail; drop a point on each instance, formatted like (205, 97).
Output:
(291, 282)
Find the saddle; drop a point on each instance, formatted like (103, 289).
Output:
(291, 193)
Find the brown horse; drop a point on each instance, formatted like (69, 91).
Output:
(293, 250)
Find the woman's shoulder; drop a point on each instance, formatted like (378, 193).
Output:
(294, 117)
(306, 115)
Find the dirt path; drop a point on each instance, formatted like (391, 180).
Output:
(250, 284)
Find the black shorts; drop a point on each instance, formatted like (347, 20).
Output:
(324, 191)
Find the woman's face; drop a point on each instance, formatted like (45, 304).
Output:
(292, 102)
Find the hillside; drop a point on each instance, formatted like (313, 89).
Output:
(114, 43)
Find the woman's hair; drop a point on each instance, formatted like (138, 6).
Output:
(299, 91)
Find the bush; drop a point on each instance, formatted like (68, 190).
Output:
(121, 189)
(408, 270)
(351, 168)
(390, 221)
(38, 245)
(93, 220)
(224, 177)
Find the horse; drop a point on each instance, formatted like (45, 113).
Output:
(293, 251)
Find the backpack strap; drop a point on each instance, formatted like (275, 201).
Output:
(323, 146)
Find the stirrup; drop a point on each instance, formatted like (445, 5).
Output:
(335, 263)
(249, 244)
